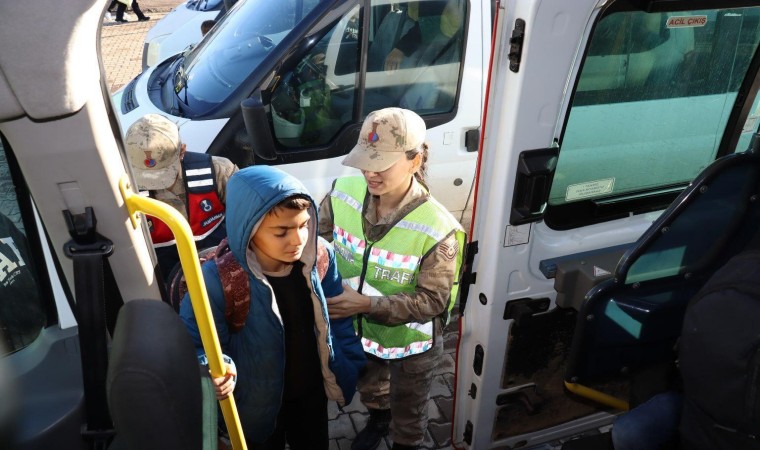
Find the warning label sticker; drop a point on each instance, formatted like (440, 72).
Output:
(686, 21)
(589, 189)
(599, 272)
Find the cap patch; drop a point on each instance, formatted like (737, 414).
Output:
(373, 137)
(149, 162)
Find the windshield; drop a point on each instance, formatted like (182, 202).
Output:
(653, 101)
(237, 45)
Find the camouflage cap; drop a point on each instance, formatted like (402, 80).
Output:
(384, 138)
(153, 148)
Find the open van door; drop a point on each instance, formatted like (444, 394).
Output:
(611, 179)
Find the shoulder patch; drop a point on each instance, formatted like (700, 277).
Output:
(448, 251)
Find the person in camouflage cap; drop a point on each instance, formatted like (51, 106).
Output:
(400, 253)
(193, 183)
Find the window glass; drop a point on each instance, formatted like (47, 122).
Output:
(414, 55)
(211, 72)
(652, 102)
(314, 100)
(719, 213)
(413, 61)
(21, 314)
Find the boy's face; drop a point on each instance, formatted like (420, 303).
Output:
(281, 238)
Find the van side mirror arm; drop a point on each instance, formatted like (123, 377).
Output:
(257, 127)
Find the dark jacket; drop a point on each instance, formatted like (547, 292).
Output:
(258, 349)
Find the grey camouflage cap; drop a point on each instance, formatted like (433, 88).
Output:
(384, 138)
(153, 149)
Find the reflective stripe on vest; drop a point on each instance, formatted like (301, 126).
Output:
(204, 208)
(392, 264)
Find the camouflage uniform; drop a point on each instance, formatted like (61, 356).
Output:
(154, 150)
(404, 385)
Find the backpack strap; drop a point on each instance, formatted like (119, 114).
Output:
(235, 284)
(236, 287)
(323, 259)
(177, 283)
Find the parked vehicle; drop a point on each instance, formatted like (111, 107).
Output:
(290, 82)
(180, 29)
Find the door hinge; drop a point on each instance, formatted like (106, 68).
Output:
(468, 276)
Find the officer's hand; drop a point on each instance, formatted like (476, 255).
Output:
(347, 304)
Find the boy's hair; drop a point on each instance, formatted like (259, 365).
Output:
(298, 202)
(207, 25)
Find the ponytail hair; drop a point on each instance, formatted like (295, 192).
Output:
(421, 172)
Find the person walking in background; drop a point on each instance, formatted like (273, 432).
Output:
(287, 358)
(121, 7)
(400, 252)
(193, 183)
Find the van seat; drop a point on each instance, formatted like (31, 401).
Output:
(156, 395)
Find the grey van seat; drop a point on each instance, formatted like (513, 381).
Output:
(425, 95)
(157, 395)
(632, 321)
(394, 25)
(437, 58)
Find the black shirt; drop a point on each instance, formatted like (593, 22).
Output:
(303, 371)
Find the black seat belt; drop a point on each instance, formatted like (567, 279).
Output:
(89, 251)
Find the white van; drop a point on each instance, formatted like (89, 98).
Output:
(290, 82)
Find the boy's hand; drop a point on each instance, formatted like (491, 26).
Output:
(223, 386)
(347, 304)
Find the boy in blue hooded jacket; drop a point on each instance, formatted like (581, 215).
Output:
(288, 357)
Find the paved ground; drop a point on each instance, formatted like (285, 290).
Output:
(121, 45)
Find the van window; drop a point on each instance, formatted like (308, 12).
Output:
(415, 55)
(314, 100)
(413, 61)
(22, 316)
(649, 109)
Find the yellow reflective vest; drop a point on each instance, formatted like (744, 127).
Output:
(391, 265)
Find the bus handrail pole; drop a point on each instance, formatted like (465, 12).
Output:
(188, 256)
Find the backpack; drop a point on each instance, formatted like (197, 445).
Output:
(719, 359)
(234, 279)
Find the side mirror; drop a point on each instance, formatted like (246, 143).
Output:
(257, 126)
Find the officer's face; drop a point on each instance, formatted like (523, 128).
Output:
(394, 181)
(281, 238)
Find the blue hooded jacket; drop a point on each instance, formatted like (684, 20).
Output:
(258, 349)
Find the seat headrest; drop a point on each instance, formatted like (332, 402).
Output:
(153, 382)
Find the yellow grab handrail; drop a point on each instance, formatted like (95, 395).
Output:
(597, 396)
(188, 256)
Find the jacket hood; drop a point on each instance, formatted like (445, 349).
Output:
(251, 192)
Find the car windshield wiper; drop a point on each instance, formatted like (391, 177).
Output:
(180, 79)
